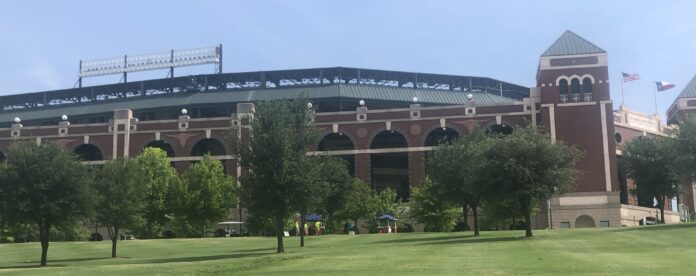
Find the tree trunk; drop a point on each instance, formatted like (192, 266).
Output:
(44, 229)
(114, 240)
(524, 207)
(332, 225)
(279, 233)
(302, 223)
(148, 230)
(355, 226)
(662, 209)
(465, 213)
(474, 208)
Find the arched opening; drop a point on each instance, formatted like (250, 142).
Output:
(338, 142)
(575, 86)
(163, 146)
(211, 147)
(584, 221)
(563, 87)
(586, 85)
(208, 146)
(500, 129)
(88, 152)
(441, 135)
(390, 169)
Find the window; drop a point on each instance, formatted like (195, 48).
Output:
(618, 138)
(575, 86)
(565, 224)
(603, 223)
(563, 87)
(587, 85)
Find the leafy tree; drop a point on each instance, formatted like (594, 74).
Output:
(120, 197)
(385, 202)
(359, 203)
(320, 188)
(46, 186)
(686, 137)
(428, 208)
(309, 191)
(652, 164)
(454, 166)
(335, 173)
(274, 155)
(206, 194)
(161, 176)
(526, 167)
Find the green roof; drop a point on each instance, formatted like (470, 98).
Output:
(689, 90)
(365, 92)
(571, 44)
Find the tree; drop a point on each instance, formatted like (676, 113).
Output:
(309, 191)
(46, 186)
(428, 208)
(273, 153)
(359, 203)
(653, 165)
(161, 176)
(454, 166)
(338, 182)
(120, 197)
(205, 195)
(320, 188)
(526, 167)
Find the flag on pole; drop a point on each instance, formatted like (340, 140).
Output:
(662, 85)
(630, 77)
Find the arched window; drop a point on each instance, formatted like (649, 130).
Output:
(163, 146)
(208, 146)
(575, 86)
(441, 135)
(390, 169)
(563, 87)
(586, 85)
(500, 129)
(88, 152)
(339, 141)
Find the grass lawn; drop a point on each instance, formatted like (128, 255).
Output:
(648, 250)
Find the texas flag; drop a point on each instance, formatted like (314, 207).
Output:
(662, 86)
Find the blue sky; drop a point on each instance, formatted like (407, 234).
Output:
(41, 42)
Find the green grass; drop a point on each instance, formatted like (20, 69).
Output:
(649, 250)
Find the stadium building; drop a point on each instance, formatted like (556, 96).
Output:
(383, 123)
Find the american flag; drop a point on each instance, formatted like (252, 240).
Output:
(630, 77)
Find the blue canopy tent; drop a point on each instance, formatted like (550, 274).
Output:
(318, 223)
(387, 228)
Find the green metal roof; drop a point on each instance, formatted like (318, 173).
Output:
(571, 44)
(689, 90)
(365, 92)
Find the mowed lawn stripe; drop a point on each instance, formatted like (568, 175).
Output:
(609, 251)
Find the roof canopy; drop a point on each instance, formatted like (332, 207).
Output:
(689, 90)
(571, 44)
(388, 217)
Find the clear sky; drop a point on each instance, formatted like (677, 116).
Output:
(41, 42)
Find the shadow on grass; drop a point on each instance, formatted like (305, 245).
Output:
(205, 258)
(428, 239)
(29, 266)
(658, 227)
(479, 240)
(72, 260)
(455, 239)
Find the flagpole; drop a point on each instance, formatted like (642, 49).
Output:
(655, 95)
(622, 93)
